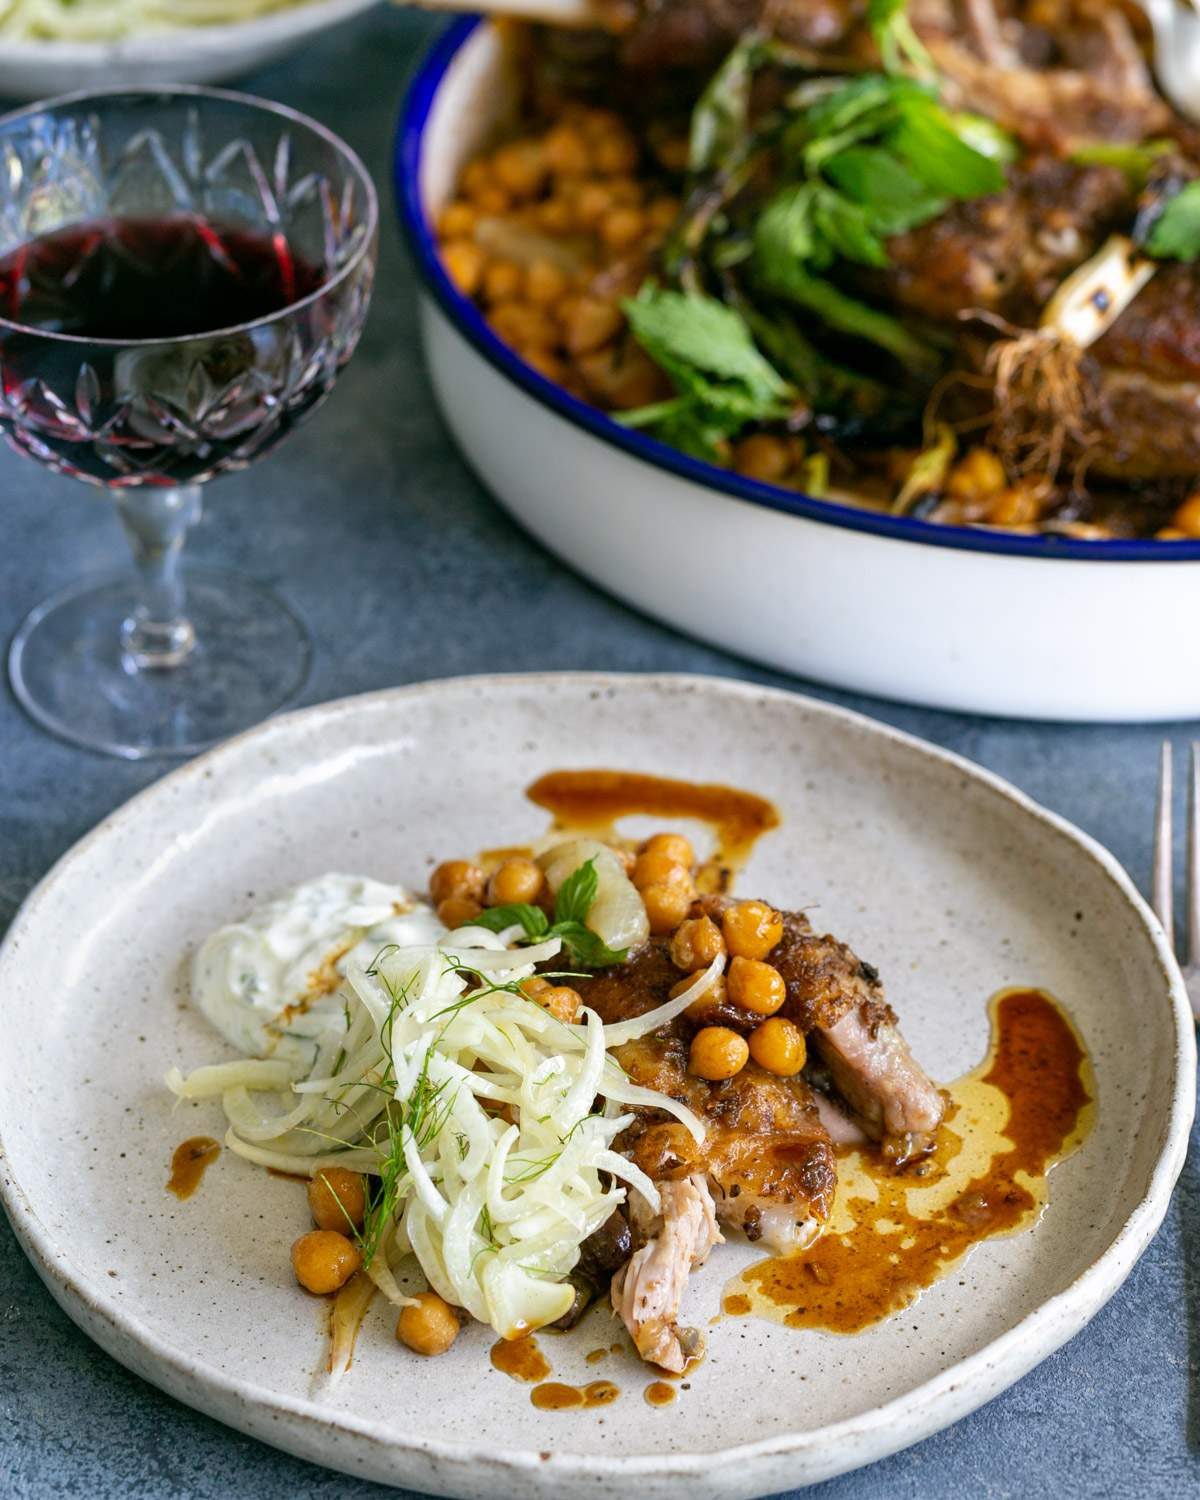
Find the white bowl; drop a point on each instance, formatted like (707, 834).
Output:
(1038, 627)
(198, 54)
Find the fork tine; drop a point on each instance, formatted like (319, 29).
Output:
(1163, 895)
(1193, 857)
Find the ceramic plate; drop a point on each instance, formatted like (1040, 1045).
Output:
(948, 879)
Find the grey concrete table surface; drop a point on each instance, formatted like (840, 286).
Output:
(374, 527)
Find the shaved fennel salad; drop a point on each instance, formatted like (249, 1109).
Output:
(481, 1123)
(109, 20)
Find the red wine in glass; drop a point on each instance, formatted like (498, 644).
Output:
(159, 279)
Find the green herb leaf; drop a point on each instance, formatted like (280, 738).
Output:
(898, 43)
(926, 140)
(847, 229)
(896, 198)
(1136, 161)
(532, 918)
(1176, 231)
(585, 947)
(704, 343)
(721, 117)
(850, 316)
(576, 894)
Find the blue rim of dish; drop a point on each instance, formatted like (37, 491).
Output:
(415, 110)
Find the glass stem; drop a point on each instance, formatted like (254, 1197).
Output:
(158, 634)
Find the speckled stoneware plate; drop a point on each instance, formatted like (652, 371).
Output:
(952, 882)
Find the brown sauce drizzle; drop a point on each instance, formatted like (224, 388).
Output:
(596, 1356)
(190, 1162)
(555, 1397)
(659, 1393)
(894, 1232)
(592, 801)
(521, 1359)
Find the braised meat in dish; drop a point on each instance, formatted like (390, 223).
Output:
(937, 258)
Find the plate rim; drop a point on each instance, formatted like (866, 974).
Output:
(918, 1413)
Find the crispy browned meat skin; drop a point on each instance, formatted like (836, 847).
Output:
(1006, 254)
(765, 1146)
(838, 1000)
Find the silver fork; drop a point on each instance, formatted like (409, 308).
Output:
(1163, 895)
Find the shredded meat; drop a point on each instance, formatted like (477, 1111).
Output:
(648, 1289)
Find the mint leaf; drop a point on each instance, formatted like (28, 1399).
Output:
(532, 918)
(576, 894)
(1176, 231)
(585, 947)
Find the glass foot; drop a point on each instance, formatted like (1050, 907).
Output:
(72, 674)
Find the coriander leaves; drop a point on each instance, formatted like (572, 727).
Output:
(571, 906)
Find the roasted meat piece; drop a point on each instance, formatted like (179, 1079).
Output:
(837, 999)
(1005, 255)
(648, 1289)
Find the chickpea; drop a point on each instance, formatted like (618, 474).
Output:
(598, 123)
(324, 1260)
(762, 456)
(493, 201)
(556, 216)
(662, 213)
(751, 929)
(457, 911)
(520, 169)
(464, 262)
(546, 364)
(977, 475)
(565, 152)
(674, 845)
(457, 221)
(476, 177)
(622, 377)
(517, 881)
(563, 1002)
(524, 327)
(626, 192)
(717, 1053)
(545, 284)
(501, 281)
(666, 906)
(1017, 505)
(615, 153)
(755, 986)
(592, 202)
(778, 1047)
(696, 943)
(622, 228)
(1187, 517)
(706, 1006)
(589, 324)
(658, 867)
(456, 877)
(337, 1199)
(672, 153)
(429, 1326)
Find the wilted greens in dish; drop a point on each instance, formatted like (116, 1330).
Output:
(937, 258)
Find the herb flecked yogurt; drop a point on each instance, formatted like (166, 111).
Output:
(269, 983)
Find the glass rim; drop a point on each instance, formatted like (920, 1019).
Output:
(231, 96)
